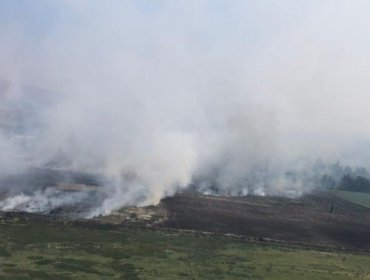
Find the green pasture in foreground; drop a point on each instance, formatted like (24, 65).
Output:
(359, 198)
(40, 249)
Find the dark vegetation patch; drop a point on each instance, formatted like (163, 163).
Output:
(9, 265)
(127, 270)
(354, 183)
(76, 265)
(4, 252)
(17, 273)
(44, 262)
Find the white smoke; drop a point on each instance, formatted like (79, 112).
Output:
(157, 96)
(42, 201)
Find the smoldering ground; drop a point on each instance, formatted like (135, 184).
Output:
(154, 97)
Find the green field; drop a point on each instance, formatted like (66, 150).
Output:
(359, 198)
(41, 249)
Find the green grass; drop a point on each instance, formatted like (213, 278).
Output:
(39, 249)
(359, 198)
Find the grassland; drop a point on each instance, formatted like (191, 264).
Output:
(39, 248)
(359, 198)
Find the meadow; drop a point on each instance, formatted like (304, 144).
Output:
(359, 198)
(33, 247)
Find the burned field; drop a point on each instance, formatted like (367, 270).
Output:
(321, 219)
(316, 219)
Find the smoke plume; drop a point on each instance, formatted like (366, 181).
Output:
(144, 99)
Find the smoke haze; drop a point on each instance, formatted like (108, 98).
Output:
(156, 96)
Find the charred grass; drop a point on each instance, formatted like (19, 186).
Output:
(317, 219)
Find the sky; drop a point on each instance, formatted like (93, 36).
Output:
(157, 93)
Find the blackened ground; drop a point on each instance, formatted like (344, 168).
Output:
(319, 218)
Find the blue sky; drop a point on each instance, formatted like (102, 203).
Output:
(38, 19)
(34, 19)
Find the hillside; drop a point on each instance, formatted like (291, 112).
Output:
(190, 236)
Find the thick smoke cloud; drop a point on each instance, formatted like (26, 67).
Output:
(154, 97)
